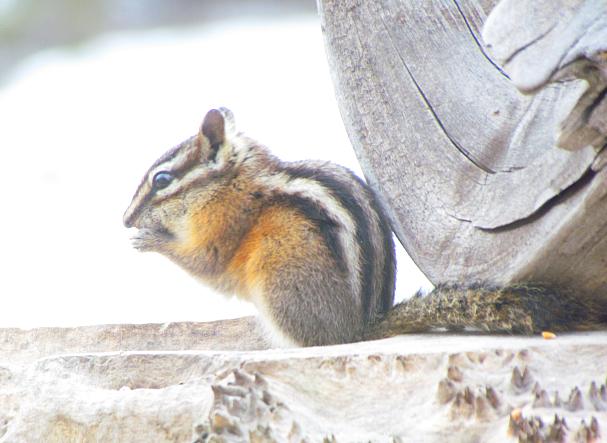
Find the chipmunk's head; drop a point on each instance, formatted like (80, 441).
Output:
(184, 178)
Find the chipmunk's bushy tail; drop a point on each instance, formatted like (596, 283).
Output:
(517, 309)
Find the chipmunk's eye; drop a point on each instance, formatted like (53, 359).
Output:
(162, 179)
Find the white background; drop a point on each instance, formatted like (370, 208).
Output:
(79, 127)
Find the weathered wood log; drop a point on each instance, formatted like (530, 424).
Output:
(418, 388)
(561, 41)
(27, 345)
(487, 157)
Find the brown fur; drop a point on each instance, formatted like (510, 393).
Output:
(307, 243)
(517, 309)
(284, 258)
(275, 240)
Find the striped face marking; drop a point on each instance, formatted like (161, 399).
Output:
(180, 167)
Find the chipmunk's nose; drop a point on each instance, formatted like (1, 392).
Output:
(127, 220)
(129, 217)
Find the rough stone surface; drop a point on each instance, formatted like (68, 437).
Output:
(434, 387)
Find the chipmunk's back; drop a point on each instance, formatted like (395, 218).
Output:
(348, 267)
(305, 242)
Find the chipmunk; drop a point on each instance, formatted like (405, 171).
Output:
(307, 243)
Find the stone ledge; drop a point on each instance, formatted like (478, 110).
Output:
(411, 388)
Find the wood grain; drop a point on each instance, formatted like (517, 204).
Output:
(413, 388)
(466, 165)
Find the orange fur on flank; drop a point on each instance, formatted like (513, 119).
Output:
(273, 241)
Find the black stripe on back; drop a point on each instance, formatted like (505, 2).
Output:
(389, 269)
(328, 228)
(342, 193)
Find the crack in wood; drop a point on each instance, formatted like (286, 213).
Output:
(458, 217)
(508, 169)
(557, 199)
(477, 41)
(454, 142)
(597, 101)
(526, 45)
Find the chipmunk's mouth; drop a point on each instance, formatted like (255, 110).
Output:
(151, 239)
(163, 232)
(158, 230)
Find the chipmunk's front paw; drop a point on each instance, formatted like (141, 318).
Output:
(146, 240)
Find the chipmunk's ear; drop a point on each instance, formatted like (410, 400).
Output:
(213, 129)
(230, 122)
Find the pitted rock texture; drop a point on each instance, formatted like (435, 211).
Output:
(422, 388)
